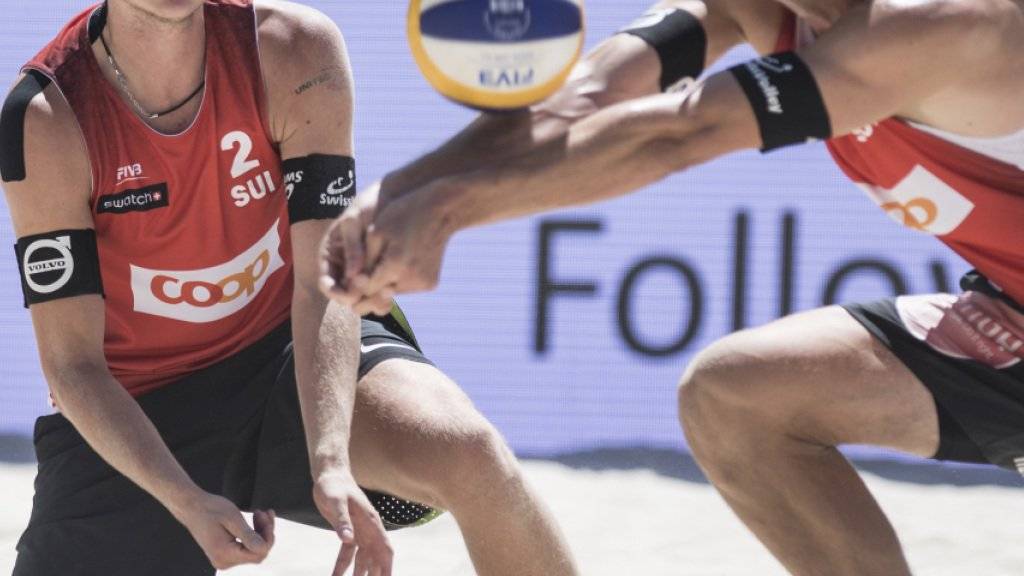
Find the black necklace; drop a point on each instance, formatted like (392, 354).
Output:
(123, 81)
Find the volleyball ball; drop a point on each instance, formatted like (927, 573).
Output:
(496, 54)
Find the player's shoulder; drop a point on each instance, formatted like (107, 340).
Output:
(293, 31)
(971, 25)
(37, 128)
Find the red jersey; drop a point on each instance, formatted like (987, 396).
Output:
(192, 228)
(968, 192)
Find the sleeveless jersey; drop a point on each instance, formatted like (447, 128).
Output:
(968, 192)
(193, 232)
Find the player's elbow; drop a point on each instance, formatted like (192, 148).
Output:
(64, 372)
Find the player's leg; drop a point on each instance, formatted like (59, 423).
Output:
(416, 438)
(416, 435)
(764, 409)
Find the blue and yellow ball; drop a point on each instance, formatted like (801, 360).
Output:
(496, 54)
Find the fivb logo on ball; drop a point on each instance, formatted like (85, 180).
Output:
(496, 54)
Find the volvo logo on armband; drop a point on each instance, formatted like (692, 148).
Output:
(58, 264)
(48, 265)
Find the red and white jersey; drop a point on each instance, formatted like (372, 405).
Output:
(968, 192)
(192, 228)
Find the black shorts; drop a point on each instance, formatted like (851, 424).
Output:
(980, 407)
(235, 428)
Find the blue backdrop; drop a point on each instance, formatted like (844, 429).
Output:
(658, 275)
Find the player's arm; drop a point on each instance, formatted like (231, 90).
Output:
(311, 106)
(675, 39)
(672, 42)
(878, 61)
(47, 186)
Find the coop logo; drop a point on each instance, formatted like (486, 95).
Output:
(339, 192)
(210, 294)
(141, 200)
(48, 264)
(924, 202)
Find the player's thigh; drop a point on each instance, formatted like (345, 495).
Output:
(414, 430)
(817, 375)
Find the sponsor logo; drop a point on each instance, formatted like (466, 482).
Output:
(337, 193)
(366, 349)
(759, 70)
(210, 294)
(140, 200)
(290, 180)
(48, 264)
(922, 201)
(130, 172)
(507, 20)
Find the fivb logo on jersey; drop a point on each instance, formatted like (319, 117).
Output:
(209, 294)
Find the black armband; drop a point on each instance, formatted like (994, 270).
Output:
(12, 124)
(785, 98)
(58, 264)
(319, 186)
(679, 39)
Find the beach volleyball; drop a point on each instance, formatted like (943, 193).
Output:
(496, 54)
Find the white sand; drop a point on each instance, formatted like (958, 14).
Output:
(640, 523)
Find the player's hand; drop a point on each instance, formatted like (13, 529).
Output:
(363, 539)
(343, 251)
(221, 531)
(405, 247)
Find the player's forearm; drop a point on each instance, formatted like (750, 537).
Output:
(620, 68)
(326, 340)
(114, 425)
(489, 138)
(611, 153)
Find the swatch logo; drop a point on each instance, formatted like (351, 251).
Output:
(140, 200)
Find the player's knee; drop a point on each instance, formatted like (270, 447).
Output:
(479, 462)
(721, 391)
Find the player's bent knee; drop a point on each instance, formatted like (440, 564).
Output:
(722, 378)
(479, 462)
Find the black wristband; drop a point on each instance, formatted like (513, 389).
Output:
(679, 39)
(58, 264)
(319, 186)
(785, 98)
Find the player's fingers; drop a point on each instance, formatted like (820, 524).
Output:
(375, 245)
(363, 563)
(264, 523)
(387, 274)
(384, 301)
(232, 554)
(236, 525)
(345, 556)
(351, 230)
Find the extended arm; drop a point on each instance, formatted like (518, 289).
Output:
(864, 68)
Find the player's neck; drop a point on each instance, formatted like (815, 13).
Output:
(162, 60)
